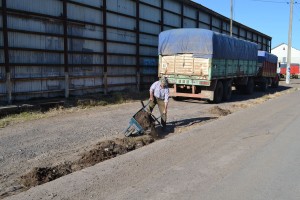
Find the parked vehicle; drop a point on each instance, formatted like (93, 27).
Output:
(204, 64)
(294, 70)
(267, 71)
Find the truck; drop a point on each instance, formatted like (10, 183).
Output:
(203, 64)
(294, 70)
(267, 71)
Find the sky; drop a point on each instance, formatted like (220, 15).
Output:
(270, 17)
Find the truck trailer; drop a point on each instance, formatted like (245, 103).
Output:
(203, 64)
(267, 71)
(294, 70)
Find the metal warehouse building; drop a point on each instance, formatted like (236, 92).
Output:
(52, 48)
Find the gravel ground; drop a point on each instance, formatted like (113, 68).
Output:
(61, 138)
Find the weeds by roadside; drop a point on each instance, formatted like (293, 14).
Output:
(72, 105)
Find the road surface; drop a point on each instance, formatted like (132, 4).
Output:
(251, 154)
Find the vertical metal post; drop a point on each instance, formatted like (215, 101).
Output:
(288, 67)
(138, 69)
(182, 15)
(66, 59)
(198, 19)
(105, 46)
(231, 16)
(6, 53)
(222, 26)
(161, 15)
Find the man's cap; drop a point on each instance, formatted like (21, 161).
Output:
(164, 81)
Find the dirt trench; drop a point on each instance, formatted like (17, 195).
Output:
(100, 152)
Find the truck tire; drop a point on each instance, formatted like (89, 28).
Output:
(275, 82)
(249, 88)
(218, 93)
(227, 90)
(264, 86)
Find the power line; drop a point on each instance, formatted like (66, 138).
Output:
(270, 1)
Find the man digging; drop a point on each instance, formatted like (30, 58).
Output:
(159, 94)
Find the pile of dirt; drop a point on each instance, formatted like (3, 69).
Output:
(100, 152)
(219, 111)
(144, 119)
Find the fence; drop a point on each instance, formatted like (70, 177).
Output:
(56, 48)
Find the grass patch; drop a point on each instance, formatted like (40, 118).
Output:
(22, 117)
(73, 105)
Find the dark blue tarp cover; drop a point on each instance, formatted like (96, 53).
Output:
(266, 56)
(206, 44)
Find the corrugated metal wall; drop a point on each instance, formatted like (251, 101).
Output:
(71, 47)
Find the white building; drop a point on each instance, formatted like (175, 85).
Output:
(281, 52)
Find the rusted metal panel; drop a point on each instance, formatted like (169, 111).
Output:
(150, 13)
(84, 14)
(49, 7)
(119, 21)
(172, 5)
(35, 41)
(36, 25)
(172, 19)
(122, 6)
(121, 35)
(95, 3)
(32, 57)
(149, 28)
(88, 31)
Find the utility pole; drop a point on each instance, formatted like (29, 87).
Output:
(288, 67)
(231, 16)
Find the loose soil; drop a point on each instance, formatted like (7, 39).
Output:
(219, 111)
(100, 152)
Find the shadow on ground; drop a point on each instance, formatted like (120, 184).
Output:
(172, 126)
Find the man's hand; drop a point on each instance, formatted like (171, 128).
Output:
(151, 96)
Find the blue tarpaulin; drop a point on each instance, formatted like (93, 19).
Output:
(266, 56)
(206, 44)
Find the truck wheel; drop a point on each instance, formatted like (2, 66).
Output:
(275, 82)
(264, 86)
(227, 90)
(218, 93)
(249, 87)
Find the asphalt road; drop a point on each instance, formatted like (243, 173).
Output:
(251, 154)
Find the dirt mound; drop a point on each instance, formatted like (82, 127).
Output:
(144, 119)
(219, 111)
(100, 152)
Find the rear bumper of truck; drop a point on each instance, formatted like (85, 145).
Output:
(205, 94)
